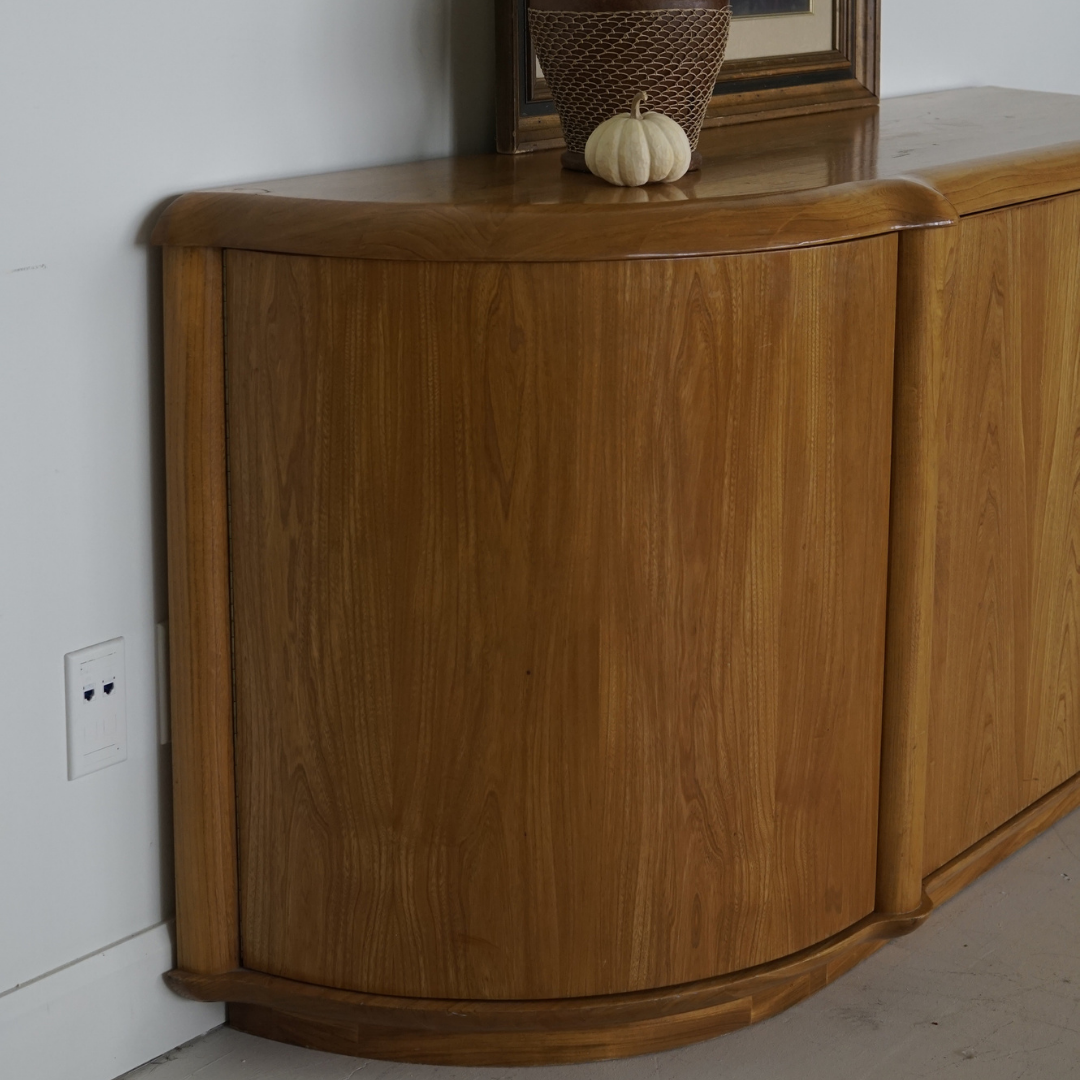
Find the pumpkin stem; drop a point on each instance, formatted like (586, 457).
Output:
(635, 108)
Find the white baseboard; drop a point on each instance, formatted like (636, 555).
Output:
(100, 1016)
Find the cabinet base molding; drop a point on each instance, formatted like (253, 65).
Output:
(943, 884)
(439, 1032)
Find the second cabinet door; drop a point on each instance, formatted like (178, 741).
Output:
(1005, 712)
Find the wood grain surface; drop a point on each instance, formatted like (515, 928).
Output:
(914, 162)
(945, 882)
(204, 794)
(450, 1015)
(924, 262)
(602, 223)
(559, 615)
(1005, 707)
(572, 1042)
(536, 1032)
(504, 1033)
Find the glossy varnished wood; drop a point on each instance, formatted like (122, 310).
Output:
(782, 183)
(204, 816)
(1005, 706)
(924, 268)
(559, 614)
(599, 222)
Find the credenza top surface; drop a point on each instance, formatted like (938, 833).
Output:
(910, 162)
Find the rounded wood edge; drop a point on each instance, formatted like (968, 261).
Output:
(159, 235)
(992, 183)
(537, 1032)
(660, 221)
(918, 373)
(204, 791)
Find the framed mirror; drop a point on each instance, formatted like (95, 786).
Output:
(784, 57)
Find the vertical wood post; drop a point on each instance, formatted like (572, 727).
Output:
(920, 326)
(204, 786)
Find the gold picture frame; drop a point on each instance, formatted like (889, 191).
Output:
(784, 84)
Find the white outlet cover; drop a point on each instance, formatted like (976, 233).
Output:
(96, 707)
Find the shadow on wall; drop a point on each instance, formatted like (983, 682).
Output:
(472, 75)
(155, 355)
(426, 69)
(156, 405)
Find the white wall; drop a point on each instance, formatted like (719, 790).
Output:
(106, 110)
(940, 44)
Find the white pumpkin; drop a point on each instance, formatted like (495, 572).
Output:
(630, 149)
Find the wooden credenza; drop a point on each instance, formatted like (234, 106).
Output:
(600, 618)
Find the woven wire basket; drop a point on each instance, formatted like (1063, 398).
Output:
(596, 61)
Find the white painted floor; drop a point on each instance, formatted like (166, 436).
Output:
(988, 989)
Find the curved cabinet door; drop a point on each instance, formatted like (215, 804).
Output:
(559, 599)
(1004, 725)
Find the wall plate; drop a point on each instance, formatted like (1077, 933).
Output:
(96, 707)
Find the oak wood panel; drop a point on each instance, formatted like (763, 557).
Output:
(837, 954)
(811, 179)
(1007, 179)
(945, 882)
(559, 1046)
(559, 615)
(920, 361)
(204, 815)
(535, 1032)
(604, 222)
(496, 1048)
(1004, 719)
(443, 1032)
